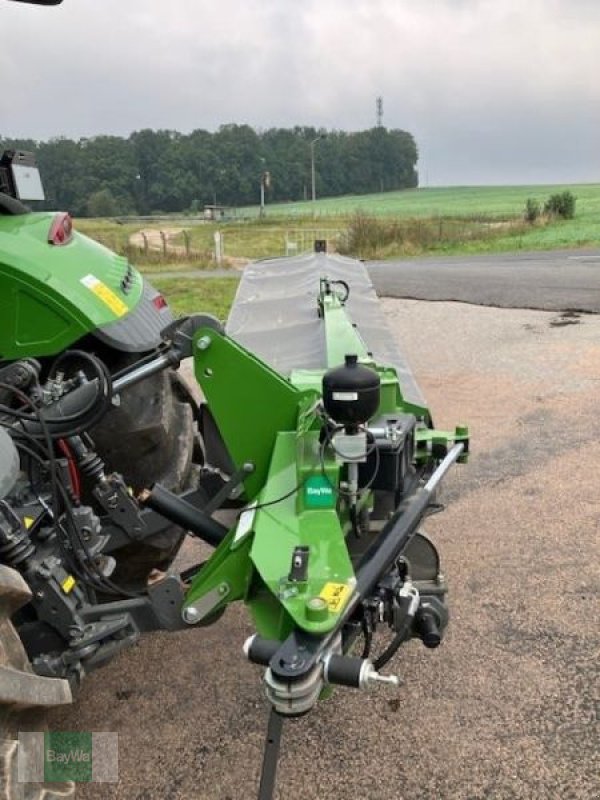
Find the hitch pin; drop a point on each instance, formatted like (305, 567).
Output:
(376, 677)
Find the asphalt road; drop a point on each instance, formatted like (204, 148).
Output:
(559, 280)
(508, 707)
(556, 281)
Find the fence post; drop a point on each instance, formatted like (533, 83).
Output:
(218, 247)
(186, 239)
(145, 240)
(163, 236)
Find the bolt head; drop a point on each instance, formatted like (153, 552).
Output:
(316, 609)
(190, 615)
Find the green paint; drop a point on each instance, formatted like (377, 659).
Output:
(295, 487)
(228, 566)
(341, 337)
(316, 609)
(250, 402)
(280, 528)
(44, 306)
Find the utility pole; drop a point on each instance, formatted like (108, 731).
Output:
(265, 183)
(262, 195)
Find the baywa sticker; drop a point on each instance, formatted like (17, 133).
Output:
(318, 493)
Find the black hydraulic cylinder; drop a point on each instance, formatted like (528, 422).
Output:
(184, 514)
(428, 628)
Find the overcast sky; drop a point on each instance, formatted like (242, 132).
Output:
(494, 91)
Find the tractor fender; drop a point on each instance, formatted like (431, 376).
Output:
(139, 331)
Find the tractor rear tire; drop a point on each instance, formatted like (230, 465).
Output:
(24, 698)
(151, 437)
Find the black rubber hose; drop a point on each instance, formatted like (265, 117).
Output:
(391, 650)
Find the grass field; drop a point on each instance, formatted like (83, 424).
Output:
(484, 206)
(426, 221)
(497, 201)
(212, 295)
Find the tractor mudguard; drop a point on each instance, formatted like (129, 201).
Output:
(52, 295)
(139, 331)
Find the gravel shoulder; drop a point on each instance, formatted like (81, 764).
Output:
(507, 708)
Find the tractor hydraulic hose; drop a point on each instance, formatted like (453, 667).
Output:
(408, 600)
(71, 414)
(393, 647)
(184, 514)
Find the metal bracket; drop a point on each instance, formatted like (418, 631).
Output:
(202, 607)
(120, 506)
(229, 489)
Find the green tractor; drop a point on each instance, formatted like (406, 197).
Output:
(77, 320)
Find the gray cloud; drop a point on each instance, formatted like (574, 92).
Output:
(494, 92)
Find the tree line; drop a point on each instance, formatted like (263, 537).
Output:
(166, 171)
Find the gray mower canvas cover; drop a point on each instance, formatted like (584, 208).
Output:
(275, 315)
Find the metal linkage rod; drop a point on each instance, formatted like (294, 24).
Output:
(139, 373)
(444, 466)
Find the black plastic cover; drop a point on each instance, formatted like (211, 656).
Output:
(139, 331)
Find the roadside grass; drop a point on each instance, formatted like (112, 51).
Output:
(210, 295)
(415, 222)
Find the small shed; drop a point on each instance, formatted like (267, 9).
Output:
(216, 213)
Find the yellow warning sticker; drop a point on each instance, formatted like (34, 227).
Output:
(335, 595)
(28, 522)
(68, 584)
(108, 297)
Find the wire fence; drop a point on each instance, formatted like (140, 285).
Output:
(363, 236)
